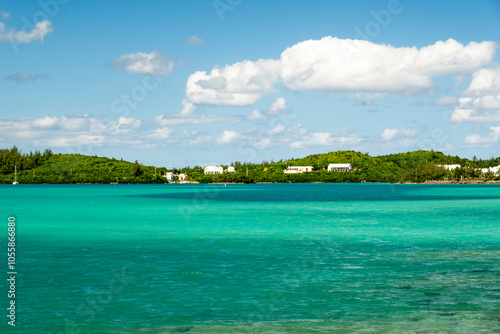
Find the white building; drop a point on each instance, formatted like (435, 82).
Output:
(231, 169)
(339, 168)
(170, 177)
(298, 169)
(213, 170)
(493, 170)
(182, 177)
(450, 167)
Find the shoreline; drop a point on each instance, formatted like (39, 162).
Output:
(453, 182)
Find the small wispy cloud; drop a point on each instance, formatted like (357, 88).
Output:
(277, 107)
(194, 40)
(41, 30)
(389, 134)
(445, 101)
(317, 139)
(493, 137)
(25, 77)
(5, 15)
(153, 63)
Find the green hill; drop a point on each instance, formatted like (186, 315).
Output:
(416, 166)
(73, 168)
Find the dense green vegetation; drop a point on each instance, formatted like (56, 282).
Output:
(73, 168)
(416, 166)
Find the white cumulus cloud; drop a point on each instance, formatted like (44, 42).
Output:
(491, 138)
(389, 134)
(256, 115)
(279, 128)
(332, 64)
(162, 133)
(241, 84)
(125, 125)
(276, 108)
(45, 122)
(481, 101)
(153, 63)
(339, 65)
(39, 32)
(228, 137)
(485, 81)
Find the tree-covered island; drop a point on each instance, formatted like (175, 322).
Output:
(417, 166)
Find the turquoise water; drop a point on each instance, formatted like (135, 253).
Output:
(269, 258)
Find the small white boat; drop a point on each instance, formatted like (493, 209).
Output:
(15, 177)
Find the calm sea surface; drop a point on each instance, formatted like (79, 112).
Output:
(268, 258)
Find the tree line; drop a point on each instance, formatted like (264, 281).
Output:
(416, 166)
(35, 167)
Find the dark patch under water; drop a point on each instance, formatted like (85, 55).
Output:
(324, 193)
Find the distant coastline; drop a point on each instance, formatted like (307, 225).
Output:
(427, 167)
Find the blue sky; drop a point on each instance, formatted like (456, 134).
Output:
(176, 83)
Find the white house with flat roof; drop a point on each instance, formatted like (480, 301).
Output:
(339, 168)
(493, 170)
(450, 167)
(213, 170)
(298, 169)
(231, 169)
